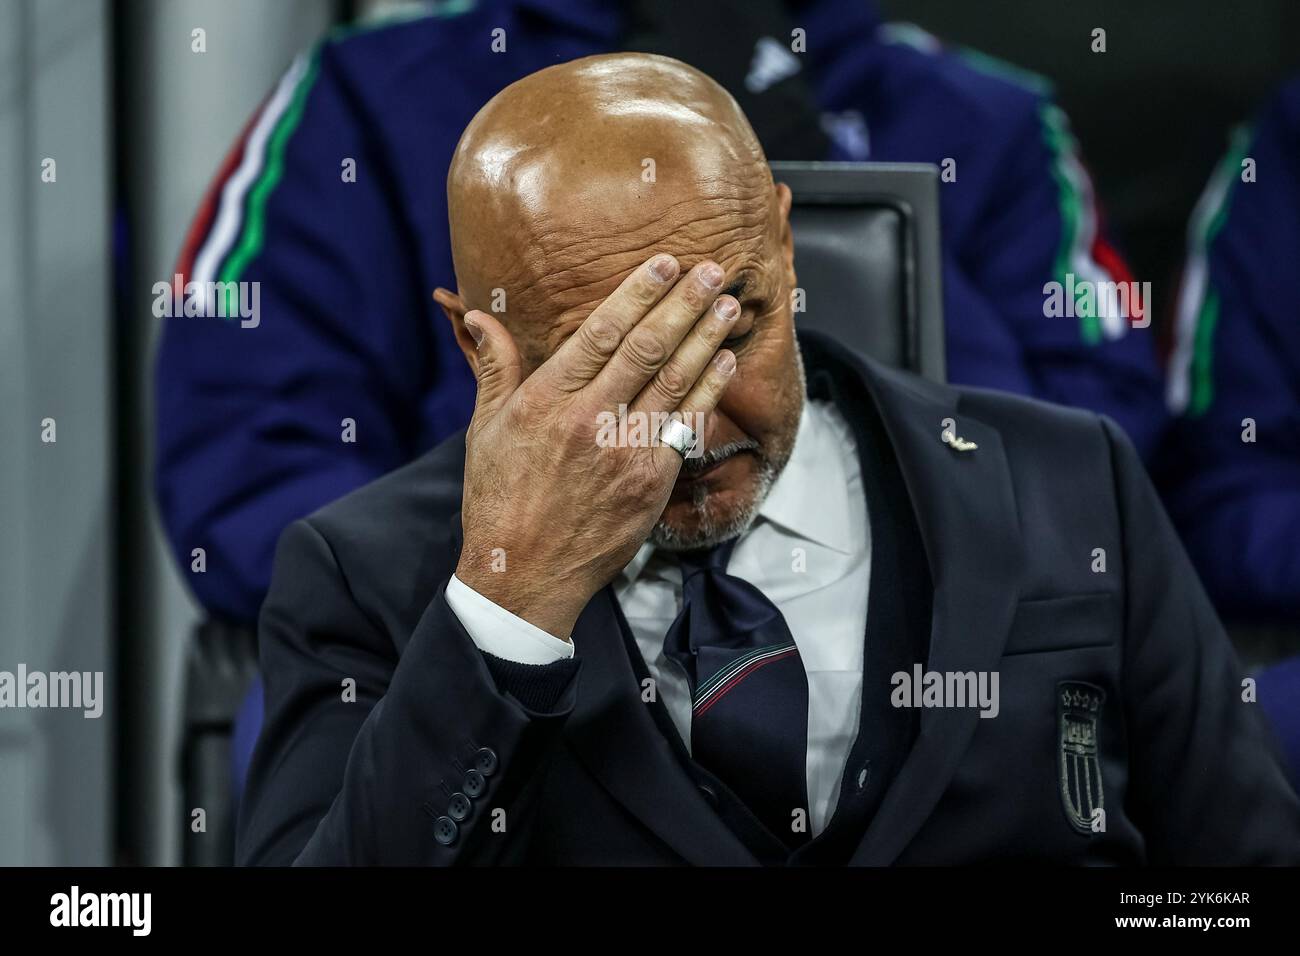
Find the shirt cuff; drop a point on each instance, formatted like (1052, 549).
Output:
(496, 631)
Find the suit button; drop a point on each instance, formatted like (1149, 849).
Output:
(486, 761)
(710, 794)
(475, 784)
(459, 807)
(445, 830)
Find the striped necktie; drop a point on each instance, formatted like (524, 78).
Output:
(749, 716)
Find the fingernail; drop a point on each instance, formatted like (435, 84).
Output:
(711, 275)
(663, 268)
(725, 362)
(726, 308)
(475, 332)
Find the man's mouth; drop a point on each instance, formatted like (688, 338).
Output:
(690, 477)
(696, 469)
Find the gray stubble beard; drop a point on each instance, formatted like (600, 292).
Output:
(713, 529)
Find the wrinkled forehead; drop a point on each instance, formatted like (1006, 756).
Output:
(578, 253)
(605, 232)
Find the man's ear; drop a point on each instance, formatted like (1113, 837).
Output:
(453, 306)
(785, 200)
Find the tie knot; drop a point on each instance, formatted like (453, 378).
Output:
(706, 559)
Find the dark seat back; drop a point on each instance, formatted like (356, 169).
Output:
(867, 234)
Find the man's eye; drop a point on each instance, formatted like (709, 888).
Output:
(744, 328)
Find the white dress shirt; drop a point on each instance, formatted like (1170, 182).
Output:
(808, 551)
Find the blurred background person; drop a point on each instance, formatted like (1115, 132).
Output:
(1231, 472)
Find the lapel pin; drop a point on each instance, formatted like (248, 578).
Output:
(957, 443)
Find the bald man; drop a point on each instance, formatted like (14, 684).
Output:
(695, 589)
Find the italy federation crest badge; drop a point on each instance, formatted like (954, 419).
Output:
(1078, 705)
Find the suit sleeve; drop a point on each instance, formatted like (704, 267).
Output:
(1207, 783)
(347, 373)
(1236, 363)
(364, 750)
(1039, 224)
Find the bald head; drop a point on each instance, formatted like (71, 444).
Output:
(569, 178)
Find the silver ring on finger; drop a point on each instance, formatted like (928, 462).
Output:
(678, 436)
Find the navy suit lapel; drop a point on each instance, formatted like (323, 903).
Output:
(616, 738)
(966, 512)
(971, 535)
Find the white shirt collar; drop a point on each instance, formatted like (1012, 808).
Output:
(810, 498)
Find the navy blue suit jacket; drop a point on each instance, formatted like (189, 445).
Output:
(578, 771)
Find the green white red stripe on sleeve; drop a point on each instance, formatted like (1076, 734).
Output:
(227, 233)
(1189, 385)
(1084, 251)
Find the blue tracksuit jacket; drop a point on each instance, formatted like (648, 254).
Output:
(1231, 468)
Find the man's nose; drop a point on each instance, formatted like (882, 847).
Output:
(719, 429)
